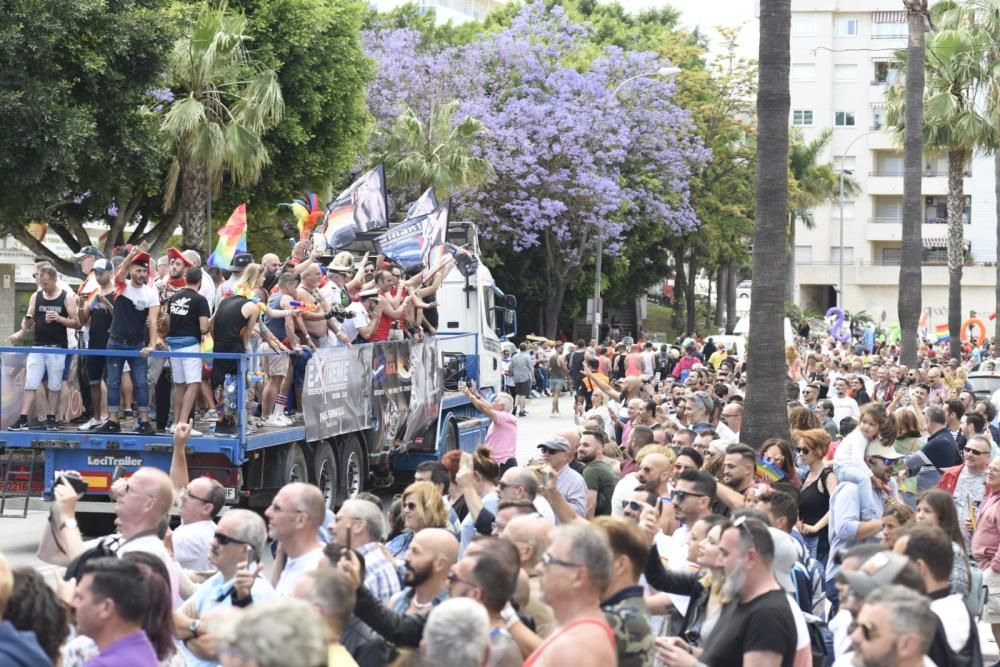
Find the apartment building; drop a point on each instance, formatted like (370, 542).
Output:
(456, 11)
(841, 66)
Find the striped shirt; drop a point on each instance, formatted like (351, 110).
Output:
(380, 575)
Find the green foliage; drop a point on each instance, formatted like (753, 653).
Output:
(436, 154)
(76, 84)
(809, 182)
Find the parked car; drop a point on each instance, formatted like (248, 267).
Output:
(743, 289)
(984, 384)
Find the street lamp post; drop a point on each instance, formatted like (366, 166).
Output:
(595, 332)
(840, 258)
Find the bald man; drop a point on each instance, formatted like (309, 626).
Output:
(294, 519)
(142, 503)
(432, 553)
(530, 534)
(655, 470)
(270, 263)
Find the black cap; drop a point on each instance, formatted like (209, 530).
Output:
(241, 262)
(89, 250)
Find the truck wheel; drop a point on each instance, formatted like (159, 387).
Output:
(325, 472)
(353, 468)
(296, 467)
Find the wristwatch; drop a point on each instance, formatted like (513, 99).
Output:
(68, 523)
(193, 627)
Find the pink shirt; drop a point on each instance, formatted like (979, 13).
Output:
(986, 539)
(501, 438)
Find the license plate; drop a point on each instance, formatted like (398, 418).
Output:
(230, 493)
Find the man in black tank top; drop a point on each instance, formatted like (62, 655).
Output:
(234, 319)
(51, 312)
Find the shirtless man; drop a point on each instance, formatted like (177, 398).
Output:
(318, 316)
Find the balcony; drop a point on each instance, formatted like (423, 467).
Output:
(886, 274)
(932, 183)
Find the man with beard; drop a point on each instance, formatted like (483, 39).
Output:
(655, 472)
(894, 627)
(759, 629)
(432, 553)
(846, 527)
(737, 474)
(235, 551)
(98, 318)
(598, 475)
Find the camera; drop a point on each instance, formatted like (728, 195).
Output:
(73, 479)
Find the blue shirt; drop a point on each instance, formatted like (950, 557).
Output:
(468, 530)
(206, 597)
(134, 650)
(845, 515)
(381, 577)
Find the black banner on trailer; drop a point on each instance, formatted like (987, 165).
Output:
(426, 391)
(337, 392)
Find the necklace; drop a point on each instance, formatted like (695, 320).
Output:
(421, 605)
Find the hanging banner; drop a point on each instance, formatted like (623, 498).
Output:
(426, 392)
(391, 381)
(337, 392)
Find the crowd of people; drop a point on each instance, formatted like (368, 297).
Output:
(647, 534)
(279, 309)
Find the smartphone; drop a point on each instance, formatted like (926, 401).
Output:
(249, 557)
(347, 544)
(465, 461)
(117, 474)
(546, 477)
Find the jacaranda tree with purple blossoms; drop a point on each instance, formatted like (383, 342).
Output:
(574, 160)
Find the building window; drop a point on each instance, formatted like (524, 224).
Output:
(803, 72)
(803, 26)
(803, 254)
(845, 73)
(848, 209)
(886, 72)
(843, 119)
(848, 253)
(845, 162)
(878, 117)
(889, 31)
(846, 28)
(802, 117)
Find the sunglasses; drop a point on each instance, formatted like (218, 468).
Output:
(409, 507)
(887, 462)
(633, 505)
(548, 559)
(679, 496)
(868, 630)
(802, 450)
(455, 579)
(970, 450)
(225, 540)
(188, 494)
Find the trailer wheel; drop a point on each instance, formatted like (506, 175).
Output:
(296, 466)
(449, 439)
(325, 472)
(353, 468)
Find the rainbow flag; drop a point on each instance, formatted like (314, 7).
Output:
(93, 299)
(89, 285)
(359, 208)
(207, 347)
(232, 239)
(941, 332)
(767, 470)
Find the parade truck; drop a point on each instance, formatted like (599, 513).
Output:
(371, 414)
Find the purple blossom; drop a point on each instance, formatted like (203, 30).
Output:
(573, 159)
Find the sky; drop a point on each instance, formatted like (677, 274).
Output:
(709, 13)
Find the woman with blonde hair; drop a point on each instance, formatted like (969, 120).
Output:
(908, 440)
(423, 507)
(817, 487)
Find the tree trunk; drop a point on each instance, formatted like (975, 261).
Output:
(691, 299)
(956, 250)
(553, 306)
(193, 207)
(996, 193)
(910, 276)
(731, 317)
(720, 295)
(766, 411)
(680, 290)
(790, 276)
(709, 315)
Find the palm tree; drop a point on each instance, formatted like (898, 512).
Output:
(955, 74)
(437, 153)
(223, 104)
(911, 254)
(766, 412)
(810, 184)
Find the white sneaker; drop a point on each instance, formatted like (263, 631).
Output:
(196, 433)
(211, 416)
(91, 424)
(276, 421)
(173, 427)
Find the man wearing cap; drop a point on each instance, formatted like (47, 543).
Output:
(188, 322)
(51, 313)
(846, 527)
(136, 312)
(556, 453)
(236, 269)
(96, 320)
(86, 257)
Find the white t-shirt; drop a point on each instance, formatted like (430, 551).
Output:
(843, 407)
(954, 617)
(544, 509)
(351, 326)
(207, 290)
(294, 569)
(150, 544)
(192, 542)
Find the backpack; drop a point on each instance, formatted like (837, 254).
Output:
(976, 598)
